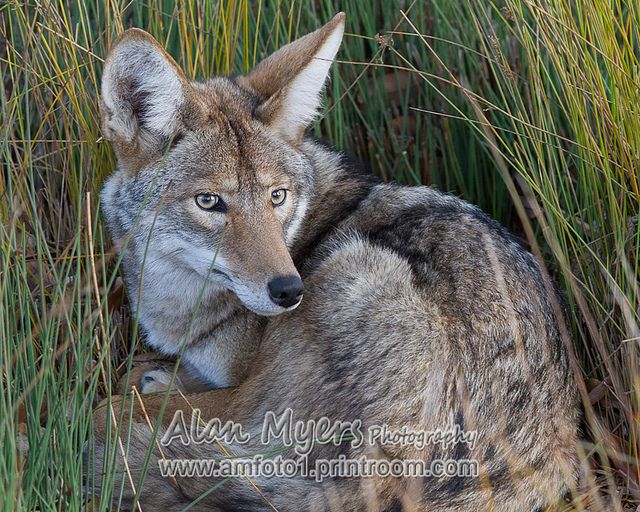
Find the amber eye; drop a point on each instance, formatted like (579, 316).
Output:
(278, 196)
(208, 201)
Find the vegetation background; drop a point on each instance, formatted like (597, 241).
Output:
(529, 108)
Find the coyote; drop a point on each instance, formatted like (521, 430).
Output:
(297, 288)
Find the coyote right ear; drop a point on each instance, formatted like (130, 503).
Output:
(289, 82)
(144, 93)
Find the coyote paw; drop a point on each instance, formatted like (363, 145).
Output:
(150, 375)
(157, 380)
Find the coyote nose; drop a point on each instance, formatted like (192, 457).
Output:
(285, 291)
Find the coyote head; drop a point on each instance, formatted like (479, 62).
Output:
(210, 174)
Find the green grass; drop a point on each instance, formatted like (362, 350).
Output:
(529, 108)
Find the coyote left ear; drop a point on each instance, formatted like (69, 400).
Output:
(145, 95)
(290, 81)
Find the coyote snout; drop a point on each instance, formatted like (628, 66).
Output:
(242, 247)
(258, 268)
(286, 291)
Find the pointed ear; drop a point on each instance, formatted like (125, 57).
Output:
(289, 82)
(144, 94)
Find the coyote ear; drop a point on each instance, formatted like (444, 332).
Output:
(290, 81)
(143, 93)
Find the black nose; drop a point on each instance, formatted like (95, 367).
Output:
(285, 291)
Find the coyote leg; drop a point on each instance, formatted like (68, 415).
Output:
(133, 438)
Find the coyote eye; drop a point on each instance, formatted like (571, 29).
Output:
(208, 201)
(278, 196)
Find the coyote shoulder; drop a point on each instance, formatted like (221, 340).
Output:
(296, 282)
